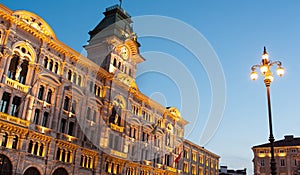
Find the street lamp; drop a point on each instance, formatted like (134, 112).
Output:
(265, 69)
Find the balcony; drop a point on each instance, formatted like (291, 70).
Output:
(14, 120)
(15, 84)
(116, 127)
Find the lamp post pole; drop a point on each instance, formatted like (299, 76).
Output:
(265, 68)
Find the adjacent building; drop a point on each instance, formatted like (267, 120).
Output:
(62, 113)
(287, 156)
(225, 171)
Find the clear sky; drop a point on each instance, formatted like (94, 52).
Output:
(237, 30)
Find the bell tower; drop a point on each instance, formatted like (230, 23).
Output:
(113, 44)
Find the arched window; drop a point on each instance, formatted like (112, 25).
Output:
(46, 62)
(32, 171)
(74, 80)
(41, 149)
(129, 72)
(69, 76)
(51, 65)
(24, 71)
(119, 66)
(60, 171)
(30, 146)
(5, 165)
(36, 116)
(79, 80)
(13, 67)
(58, 154)
(63, 155)
(41, 92)
(49, 95)
(36, 147)
(4, 139)
(115, 62)
(15, 142)
(56, 68)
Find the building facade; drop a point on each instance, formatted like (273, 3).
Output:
(287, 157)
(225, 171)
(62, 113)
(198, 161)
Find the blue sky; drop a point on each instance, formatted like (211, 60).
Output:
(237, 30)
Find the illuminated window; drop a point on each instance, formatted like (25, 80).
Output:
(201, 171)
(194, 157)
(185, 154)
(185, 167)
(194, 171)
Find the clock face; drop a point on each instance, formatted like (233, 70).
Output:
(124, 52)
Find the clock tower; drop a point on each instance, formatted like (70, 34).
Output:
(113, 44)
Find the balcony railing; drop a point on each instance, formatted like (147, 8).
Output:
(171, 169)
(116, 127)
(14, 120)
(15, 84)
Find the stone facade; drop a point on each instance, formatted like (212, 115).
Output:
(286, 153)
(62, 113)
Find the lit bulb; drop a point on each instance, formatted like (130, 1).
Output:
(254, 75)
(263, 69)
(265, 56)
(280, 71)
(269, 77)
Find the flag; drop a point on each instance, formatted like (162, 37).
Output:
(178, 158)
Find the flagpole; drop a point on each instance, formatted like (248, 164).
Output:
(120, 3)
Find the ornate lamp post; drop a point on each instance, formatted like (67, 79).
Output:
(265, 69)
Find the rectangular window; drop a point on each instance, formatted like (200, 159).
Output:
(88, 114)
(194, 157)
(62, 125)
(71, 128)
(45, 119)
(5, 102)
(282, 162)
(66, 103)
(36, 116)
(185, 167)
(194, 170)
(15, 106)
(262, 163)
